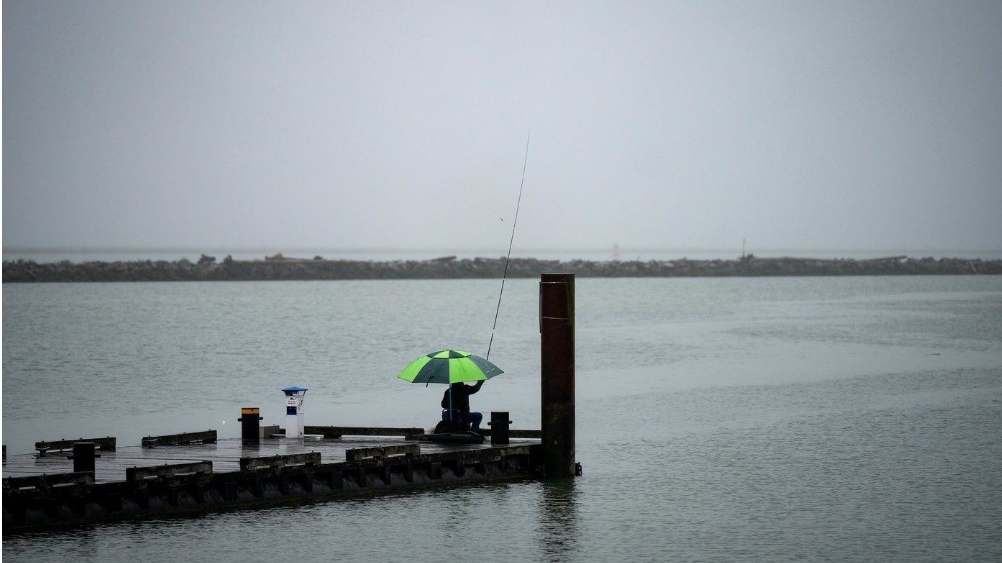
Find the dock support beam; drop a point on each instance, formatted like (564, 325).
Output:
(556, 327)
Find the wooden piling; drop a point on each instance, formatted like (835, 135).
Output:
(556, 327)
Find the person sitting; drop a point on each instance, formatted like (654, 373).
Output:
(457, 398)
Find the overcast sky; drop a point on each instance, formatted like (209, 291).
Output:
(391, 124)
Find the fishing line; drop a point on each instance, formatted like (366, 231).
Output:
(514, 223)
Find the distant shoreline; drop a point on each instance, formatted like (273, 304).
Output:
(280, 268)
(387, 254)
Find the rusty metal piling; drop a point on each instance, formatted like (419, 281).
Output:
(556, 327)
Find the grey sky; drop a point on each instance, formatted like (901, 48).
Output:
(796, 124)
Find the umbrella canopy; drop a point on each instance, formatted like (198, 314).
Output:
(449, 366)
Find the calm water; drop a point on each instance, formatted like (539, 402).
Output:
(801, 419)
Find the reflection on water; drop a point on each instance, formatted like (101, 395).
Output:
(558, 527)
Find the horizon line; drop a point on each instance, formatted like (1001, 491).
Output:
(615, 248)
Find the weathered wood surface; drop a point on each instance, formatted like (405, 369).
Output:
(224, 455)
(330, 432)
(135, 482)
(108, 443)
(47, 481)
(167, 470)
(382, 451)
(276, 461)
(203, 437)
(530, 434)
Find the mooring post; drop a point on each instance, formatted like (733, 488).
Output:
(83, 457)
(250, 427)
(500, 427)
(556, 328)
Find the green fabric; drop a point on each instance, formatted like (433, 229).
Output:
(449, 366)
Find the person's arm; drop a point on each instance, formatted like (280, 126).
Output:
(477, 387)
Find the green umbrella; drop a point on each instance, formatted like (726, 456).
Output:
(449, 366)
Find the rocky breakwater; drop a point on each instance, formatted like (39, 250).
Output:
(207, 268)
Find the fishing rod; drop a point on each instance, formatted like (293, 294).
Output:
(510, 243)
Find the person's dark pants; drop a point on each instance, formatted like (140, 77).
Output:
(474, 418)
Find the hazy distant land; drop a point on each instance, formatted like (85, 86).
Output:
(278, 267)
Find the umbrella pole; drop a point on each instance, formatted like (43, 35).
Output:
(450, 403)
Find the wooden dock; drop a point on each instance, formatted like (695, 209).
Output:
(225, 455)
(195, 472)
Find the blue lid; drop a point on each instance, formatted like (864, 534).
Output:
(294, 389)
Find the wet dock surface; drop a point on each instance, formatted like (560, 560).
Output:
(225, 454)
(195, 472)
